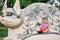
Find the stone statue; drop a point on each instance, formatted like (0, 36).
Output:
(23, 21)
(54, 2)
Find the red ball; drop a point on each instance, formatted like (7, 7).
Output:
(42, 29)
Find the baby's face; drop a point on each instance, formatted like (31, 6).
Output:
(45, 21)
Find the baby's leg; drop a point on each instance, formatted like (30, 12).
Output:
(46, 30)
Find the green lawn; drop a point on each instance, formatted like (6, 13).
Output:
(3, 32)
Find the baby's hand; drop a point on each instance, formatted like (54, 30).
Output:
(46, 31)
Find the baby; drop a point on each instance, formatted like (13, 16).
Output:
(44, 27)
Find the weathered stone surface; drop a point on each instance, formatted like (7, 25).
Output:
(44, 37)
(41, 10)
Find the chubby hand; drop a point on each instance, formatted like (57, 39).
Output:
(46, 30)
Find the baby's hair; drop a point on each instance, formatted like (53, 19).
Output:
(44, 18)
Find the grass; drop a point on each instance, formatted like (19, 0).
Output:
(3, 32)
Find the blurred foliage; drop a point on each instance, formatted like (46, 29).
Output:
(24, 3)
(3, 33)
(10, 3)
